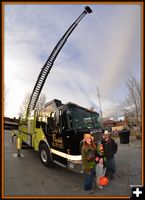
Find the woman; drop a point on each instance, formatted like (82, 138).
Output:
(88, 161)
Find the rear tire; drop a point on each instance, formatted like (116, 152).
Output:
(45, 155)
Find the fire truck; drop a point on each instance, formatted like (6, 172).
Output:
(57, 132)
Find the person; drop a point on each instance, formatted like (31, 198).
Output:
(109, 147)
(88, 152)
(100, 171)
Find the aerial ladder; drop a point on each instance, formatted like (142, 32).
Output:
(49, 63)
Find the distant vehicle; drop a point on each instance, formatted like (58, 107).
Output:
(10, 123)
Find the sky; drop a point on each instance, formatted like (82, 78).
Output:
(104, 48)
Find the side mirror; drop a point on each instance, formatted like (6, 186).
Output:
(50, 122)
(37, 124)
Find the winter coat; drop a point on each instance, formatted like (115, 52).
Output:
(108, 148)
(88, 158)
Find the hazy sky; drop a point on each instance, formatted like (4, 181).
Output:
(101, 51)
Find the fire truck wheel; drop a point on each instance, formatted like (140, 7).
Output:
(44, 154)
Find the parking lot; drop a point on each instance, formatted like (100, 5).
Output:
(26, 176)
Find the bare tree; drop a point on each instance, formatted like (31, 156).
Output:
(41, 103)
(92, 108)
(39, 106)
(5, 95)
(23, 108)
(134, 97)
(137, 86)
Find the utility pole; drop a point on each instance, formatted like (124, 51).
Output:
(101, 115)
(125, 115)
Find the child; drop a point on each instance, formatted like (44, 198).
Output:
(100, 171)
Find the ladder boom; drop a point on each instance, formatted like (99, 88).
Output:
(49, 63)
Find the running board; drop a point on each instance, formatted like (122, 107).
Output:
(59, 163)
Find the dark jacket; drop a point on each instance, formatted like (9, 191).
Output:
(108, 148)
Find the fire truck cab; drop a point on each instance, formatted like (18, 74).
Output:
(57, 133)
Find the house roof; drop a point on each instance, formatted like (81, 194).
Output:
(109, 121)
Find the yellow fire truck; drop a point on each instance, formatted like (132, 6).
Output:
(57, 134)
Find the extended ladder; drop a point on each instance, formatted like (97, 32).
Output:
(49, 63)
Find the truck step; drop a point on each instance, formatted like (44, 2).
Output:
(26, 146)
(59, 163)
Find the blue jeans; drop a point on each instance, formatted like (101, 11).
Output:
(89, 180)
(110, 166)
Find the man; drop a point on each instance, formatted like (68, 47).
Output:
(109, 147)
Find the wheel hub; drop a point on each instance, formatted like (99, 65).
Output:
(44, 155)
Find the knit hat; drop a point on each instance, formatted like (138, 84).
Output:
(87, 135)
(106, 132)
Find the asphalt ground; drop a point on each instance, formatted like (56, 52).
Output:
(26, 176)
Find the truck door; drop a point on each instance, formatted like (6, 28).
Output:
(55, 132)
(68, 133)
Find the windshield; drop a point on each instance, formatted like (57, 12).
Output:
(81, 119)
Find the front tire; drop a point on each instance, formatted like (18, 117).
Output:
(45, 155)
